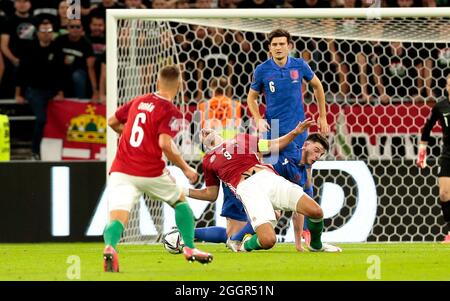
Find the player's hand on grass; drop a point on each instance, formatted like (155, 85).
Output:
(304, 125)
(322, 124)
(191, 174)
(299, 247)
(422, 156)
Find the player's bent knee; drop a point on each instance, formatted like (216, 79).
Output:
(267, 241)
(266, 235)
(316, 212)
(119, 215)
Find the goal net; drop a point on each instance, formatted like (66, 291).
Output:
(381, 69)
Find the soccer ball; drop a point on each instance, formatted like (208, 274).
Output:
(173, 242)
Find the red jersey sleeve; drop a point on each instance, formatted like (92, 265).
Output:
(122, 112)
(170, 123)
(210, 176)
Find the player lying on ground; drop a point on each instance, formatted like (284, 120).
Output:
(312, 150)
(236, 162)
(147, 125)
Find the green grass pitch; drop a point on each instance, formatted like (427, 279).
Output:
(52, 261)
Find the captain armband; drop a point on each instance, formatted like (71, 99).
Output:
(263, 145)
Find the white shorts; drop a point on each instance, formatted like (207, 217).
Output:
(264, 192)
(125, 190)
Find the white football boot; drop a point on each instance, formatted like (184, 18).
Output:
(327, 248)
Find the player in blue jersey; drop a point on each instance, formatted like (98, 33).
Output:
(280, 80)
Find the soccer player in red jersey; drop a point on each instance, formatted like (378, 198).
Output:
(237, 163)
(147, 125)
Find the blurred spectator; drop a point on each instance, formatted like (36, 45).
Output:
(203, 4)
(100, 9)
(78, 62)
(97, 34)
(49, 9)
(310, 3)
(254, 4)
(134, 4)
(85, 7)
(39, 80)
(102, 83)
(15, 39)
(185, 4)
(161, 4)
(214, 58)
(221, 112)
(45, 9)
(226, 4)
(437, 69)
(6, 8)
(397, 72)
(98, 41)
(63, 20)
(404, 3)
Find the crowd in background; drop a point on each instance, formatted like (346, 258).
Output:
(79, 45)
(46, 55)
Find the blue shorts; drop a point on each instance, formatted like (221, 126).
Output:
(232, 207)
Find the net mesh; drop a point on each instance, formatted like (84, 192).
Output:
(379, 77)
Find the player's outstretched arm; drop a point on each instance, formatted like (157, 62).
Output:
(298, 220)
(252, 101)
(209, 193)
(275, 145)
(319, 94)
(173, 155)
(115, 124)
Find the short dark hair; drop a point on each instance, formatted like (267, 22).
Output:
(316, 137)
(219, 85)
(279, 33)
(169, 73)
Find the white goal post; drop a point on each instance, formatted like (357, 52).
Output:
(134, 41)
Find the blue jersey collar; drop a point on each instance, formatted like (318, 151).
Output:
(288, 62)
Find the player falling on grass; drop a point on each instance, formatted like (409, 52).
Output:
(280, 80)
(441, 113)
(260, 189)
(312, 150)
(147, 125)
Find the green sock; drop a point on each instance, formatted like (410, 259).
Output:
(113, 232)
(184, 219)
(315, 226)
(252, 244)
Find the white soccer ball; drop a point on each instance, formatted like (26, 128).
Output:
(173, 242)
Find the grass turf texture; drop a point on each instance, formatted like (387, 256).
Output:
(49, 261)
